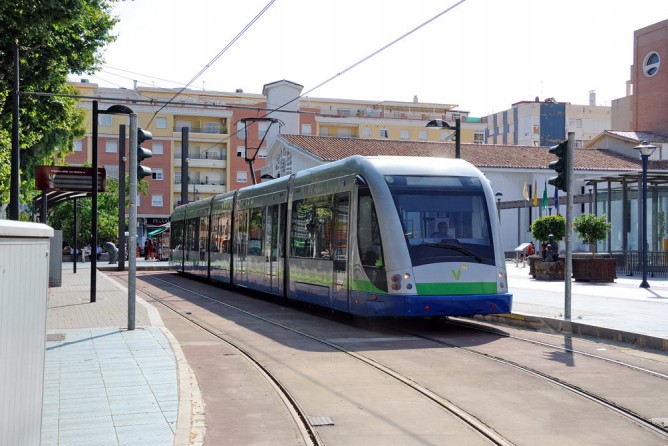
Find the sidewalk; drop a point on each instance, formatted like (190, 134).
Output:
(106, 385)
(620, 311)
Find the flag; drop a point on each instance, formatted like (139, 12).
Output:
(544, 204)
(556, 200)
(525, 192)
(535, 193)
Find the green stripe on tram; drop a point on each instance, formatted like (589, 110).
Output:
(435, 289)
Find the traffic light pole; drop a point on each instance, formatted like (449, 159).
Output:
(568, 267)
(132, 223)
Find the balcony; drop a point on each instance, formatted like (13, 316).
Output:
(207, 130)
(206, 159)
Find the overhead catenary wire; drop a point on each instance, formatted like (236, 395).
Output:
(220, 53)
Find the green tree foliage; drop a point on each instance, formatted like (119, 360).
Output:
(542, 227)
(55, 38)
(591, 229)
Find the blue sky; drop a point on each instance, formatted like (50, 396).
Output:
(483, 55)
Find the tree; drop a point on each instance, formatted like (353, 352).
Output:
(542, 227)
(55, 38)
(591, 229)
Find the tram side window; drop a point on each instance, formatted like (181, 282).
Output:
(221, 232)
(255, 241)
(310, 234)
(176, 240)
(241, 234)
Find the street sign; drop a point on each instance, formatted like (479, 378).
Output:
(69, 178)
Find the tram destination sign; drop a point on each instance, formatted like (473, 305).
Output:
(68, 178)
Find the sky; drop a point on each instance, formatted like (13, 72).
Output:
(482, 55)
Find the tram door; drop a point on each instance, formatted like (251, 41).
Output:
(340, 250)
(272, 249)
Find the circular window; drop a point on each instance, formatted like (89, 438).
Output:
(651, 64)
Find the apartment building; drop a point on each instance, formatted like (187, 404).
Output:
(227, 129)
(547, 122)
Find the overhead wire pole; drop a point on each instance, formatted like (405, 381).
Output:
(568, 268)
(14, 188)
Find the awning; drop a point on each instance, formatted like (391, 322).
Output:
(160, 230)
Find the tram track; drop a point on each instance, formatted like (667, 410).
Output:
(484, 329)
(471, 420)
(628, 413)
(477, 425)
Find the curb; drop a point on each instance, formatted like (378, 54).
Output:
(551, 325)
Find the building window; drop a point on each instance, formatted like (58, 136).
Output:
(422, 135)
(384, 133)
(156, 200)
(651, 64)
(241, 129)
(78, 145)
(344, 132)
(366, 132)
(456, 116)
(405, 134)
(444, 136)
(536, 130)
(138, 200)
(307, 129)
(344, 112)
(241, 151)
(478, 137)
(181, 124)
(158, 148)
(211, 127)
(104, 120)
(177, 177)
(161, 123)
(242, 177)
(262, 153)
(262, 128)
(324, 131)
(158, 174)
(111, 147)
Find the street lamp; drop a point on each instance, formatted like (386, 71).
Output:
(113, 110)
(646, 149)
(457, 132)
(498, 196)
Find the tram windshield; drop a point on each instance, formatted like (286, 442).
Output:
(444, 219)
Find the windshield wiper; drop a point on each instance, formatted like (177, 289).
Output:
(457, 248)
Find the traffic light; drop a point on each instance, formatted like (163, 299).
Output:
(560, 166)
(142, 153)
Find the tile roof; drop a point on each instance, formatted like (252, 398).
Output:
(654, 138)
(481, 155)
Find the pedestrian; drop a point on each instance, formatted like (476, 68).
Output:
(531, 249)
(112, 250)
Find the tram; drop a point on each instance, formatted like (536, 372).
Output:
(370, 236)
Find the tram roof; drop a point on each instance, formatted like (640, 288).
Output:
(328, 149)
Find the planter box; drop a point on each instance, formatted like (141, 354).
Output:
(548, 270)
(594, 269)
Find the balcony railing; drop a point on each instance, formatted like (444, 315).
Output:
(211, 131)
(203, 156)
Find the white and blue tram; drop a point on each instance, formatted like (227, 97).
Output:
(360, 235)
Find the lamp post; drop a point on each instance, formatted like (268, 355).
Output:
(457, 132)
(113, 110)
(646, 151)
(498, 196)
